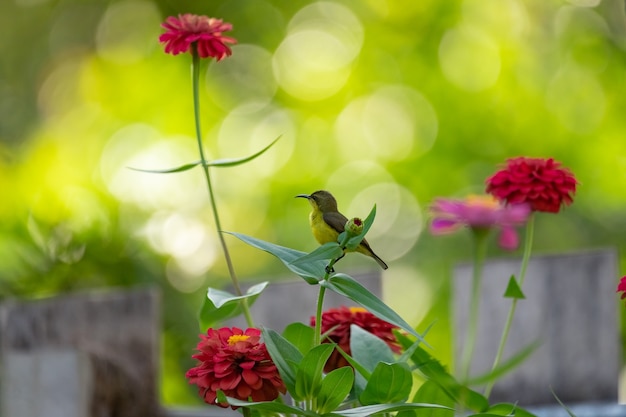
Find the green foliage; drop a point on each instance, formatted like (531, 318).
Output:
(513, 290)
(72, 90)
(221, 305)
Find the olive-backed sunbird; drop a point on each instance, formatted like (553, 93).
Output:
(327, 222)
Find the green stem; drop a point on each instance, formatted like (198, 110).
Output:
(205, 168)
(480, 249)
(528, 243)
(317, 336)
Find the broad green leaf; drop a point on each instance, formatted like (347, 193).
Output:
(185, 167)
(300, 335)
(285, 356)
(221, 305)
(389, 383)
(513, 289)
(369, 410)
(434, 371)
(266, 406)
(367, 223)
(309, 373)
(325, 252)
(506, 410)
(237, 161)
(431, 391)
(368, 349)
(334, 389)
(350, 288)
(361, 372)
(506, 366)
(311, 272)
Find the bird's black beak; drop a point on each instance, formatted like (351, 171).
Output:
(303, 196)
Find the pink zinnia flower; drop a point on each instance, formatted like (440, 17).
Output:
(621, 287)
(540, 182)
(237, 363)
(205, 32)
(338, 321)
(479, 213)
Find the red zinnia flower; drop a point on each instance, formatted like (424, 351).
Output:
(338, 321)
(205, 32)
(540, 182)
(621, 287)
(479, 213)
(237, 363)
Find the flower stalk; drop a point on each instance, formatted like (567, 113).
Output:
(195, 75)
(480, 249)
(528, 242)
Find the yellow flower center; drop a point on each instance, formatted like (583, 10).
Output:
(357, 310)
(486, 201)
(237, 338)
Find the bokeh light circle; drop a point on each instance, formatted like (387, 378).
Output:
(313, 60)
(390, 123)
(143, 147)
(127, 31)
(398, 222)
(469, 58)
(245, 77)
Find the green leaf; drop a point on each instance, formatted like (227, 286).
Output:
(368, 349)
(334, 389)
(506, 366)
(434, 371)
(309, 373)
(311, 272)
(300, 335)
(237, 161)
(285, 356)
(266, 406)
(354, 241)
(513, 289)
(181, 168)
(408, 352)
(221, 305)
(389, 383)
(370, 410)
(325, 252)
(507, 409)
(431, 391)
(350, 288)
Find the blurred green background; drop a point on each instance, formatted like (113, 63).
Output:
(382, 102)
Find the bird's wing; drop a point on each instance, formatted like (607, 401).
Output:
(335, 220)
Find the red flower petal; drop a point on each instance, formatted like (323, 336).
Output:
(205, 33)
(542, 183)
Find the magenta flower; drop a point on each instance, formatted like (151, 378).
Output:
(479, 213)
(205, 32)
(621, 287)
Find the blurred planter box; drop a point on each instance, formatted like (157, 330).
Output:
(89, 354)
(571, 308)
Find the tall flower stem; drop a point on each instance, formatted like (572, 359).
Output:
(205, 168)
(528, 243)
(480, 249)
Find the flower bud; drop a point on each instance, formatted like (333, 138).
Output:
(354, 226)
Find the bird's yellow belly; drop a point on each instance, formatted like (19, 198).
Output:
(322, 232)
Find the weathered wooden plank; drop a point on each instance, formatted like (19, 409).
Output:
(570, 308)
(118, 331)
